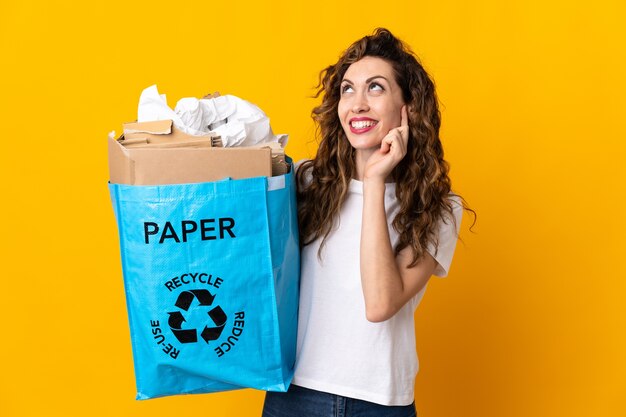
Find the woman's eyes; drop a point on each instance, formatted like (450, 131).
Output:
(373, 86)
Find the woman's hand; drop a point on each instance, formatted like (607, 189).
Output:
(392, 150)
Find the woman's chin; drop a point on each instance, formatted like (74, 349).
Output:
(365, 142)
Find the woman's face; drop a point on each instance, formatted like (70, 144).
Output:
(370, 103)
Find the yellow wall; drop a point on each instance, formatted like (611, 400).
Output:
(531, 320)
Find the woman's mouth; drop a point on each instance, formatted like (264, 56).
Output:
(362, 125)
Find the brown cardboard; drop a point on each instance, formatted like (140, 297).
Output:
(155, 166)
(157, 127)
(146, 143)
(279, 165)
(161, 132)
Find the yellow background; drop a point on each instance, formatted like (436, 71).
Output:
(531, 319)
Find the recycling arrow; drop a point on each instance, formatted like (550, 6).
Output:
(219, 318)
(185, 298)
(183, 302)
(183, 335)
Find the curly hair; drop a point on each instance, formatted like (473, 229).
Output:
(422, 182)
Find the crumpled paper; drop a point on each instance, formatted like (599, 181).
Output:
(237, 121)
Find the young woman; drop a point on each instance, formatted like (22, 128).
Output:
(377, 218)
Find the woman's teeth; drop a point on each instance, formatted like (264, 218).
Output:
(362, 124)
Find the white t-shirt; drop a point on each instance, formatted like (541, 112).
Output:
(339, 351)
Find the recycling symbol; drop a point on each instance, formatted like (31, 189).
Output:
(212, 330)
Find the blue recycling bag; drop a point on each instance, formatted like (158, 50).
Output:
(211, 275)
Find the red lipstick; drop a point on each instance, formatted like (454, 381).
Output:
(364, 129)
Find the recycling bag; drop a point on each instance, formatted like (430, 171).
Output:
(211, 276)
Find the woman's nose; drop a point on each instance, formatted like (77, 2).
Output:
(360, 103)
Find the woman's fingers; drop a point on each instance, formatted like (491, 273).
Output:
(404, 124)
(393, 142)
(385, 145)
(405, 117)
(392, 150)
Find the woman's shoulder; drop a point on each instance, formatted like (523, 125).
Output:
(454, 201)
(457, 204)
(298, 164)
(296, 167)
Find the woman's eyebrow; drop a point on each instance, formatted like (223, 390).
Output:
(374, 77)
(368, 80)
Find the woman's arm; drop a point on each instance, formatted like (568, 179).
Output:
(387, 281)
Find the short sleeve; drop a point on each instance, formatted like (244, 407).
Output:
(448, 236)
(297, 166)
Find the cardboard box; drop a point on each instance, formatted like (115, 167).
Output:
(180, 165)
(163, 134)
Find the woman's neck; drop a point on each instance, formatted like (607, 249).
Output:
(360, 159)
